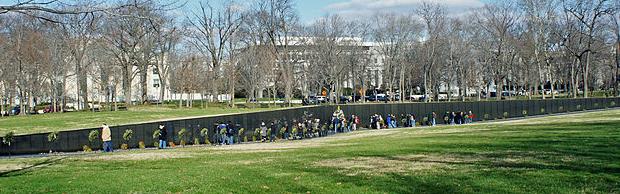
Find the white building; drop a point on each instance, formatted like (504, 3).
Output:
(302, 49)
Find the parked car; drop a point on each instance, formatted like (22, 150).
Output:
(378, 97)
(15, 110)
(346, 99)
(415, 97)
(50, 109)
(317, 99)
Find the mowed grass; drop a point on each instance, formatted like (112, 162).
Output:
(74, 120)
(576, 153)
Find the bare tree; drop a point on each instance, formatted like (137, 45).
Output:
(499, 22)
(583, 21)
(433, 17)
(280, 19)
(394, 34)
(212, 30)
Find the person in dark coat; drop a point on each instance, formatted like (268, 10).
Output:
(451, 118)
(230, 133)
(287, 131)
(273, 132)
(163, 136)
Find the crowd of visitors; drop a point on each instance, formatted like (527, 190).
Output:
(457, 118)
(308, 127)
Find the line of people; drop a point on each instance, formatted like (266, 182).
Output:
(409, 120)
(457, 118)
(309, 127)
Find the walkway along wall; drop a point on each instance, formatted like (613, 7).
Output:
(484, 110)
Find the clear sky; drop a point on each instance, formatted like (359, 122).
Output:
(310, 10)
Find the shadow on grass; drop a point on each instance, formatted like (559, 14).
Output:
(579, 149)
(21, 171)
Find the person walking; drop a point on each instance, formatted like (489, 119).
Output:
(163, 136)
(263, 132)
(433, 121)
(230, 133)
(316, 127)
(394, 122)
(222, 132)
(459, 118)
(274, 132)
(412, 120)
(356, 121)
(106, 137)
(287, 130)
(451, 118)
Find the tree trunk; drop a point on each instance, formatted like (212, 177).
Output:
(181, 100)
(83, 86)
(585, 75)
(162, 89)
(126, 71)
(573, 80)
(499, 87)
(426, 97)
(143, 84)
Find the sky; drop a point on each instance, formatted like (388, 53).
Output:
(311, 10)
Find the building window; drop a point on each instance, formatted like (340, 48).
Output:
(156, 83)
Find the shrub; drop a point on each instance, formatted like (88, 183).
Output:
(223, 131)
(8, 138)
(156, 133)
(196, 141)
(93, 135)
(52, 138)
(282, 131)
(127, 137)
(241, 132)
(524, 113)
(256, 134)
(182, 134)
(269, 132)
(86, 148)
(128, 134)
(204, 132)
(245, 138)
(505, 114)
(141, 145)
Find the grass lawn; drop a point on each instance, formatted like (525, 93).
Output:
(74, 120)
(558, 154)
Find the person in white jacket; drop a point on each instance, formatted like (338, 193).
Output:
(106, 137)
